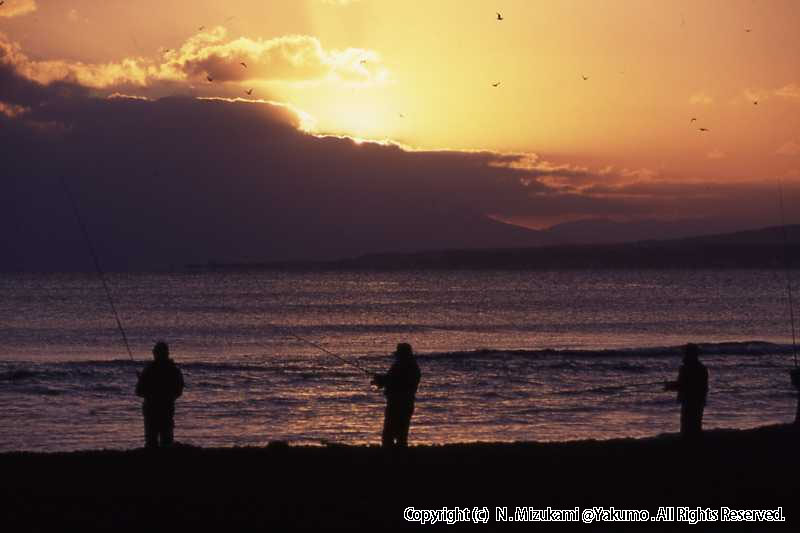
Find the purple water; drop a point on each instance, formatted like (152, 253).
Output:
(504, 355)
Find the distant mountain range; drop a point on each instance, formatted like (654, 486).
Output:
(604, 231)
(762, 248)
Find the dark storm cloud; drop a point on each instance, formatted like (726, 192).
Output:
(181, 180)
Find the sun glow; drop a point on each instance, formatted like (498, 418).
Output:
(366, 119)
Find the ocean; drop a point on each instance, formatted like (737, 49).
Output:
(505, 356)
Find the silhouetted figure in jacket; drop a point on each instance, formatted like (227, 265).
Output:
(160, 384)
(399, 386)
(692, 387)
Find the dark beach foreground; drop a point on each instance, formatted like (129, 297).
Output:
(281, 487)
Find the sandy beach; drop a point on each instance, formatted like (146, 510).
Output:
(366, 487)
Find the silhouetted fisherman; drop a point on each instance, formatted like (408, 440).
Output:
(160, 384)
(400, 387)
(692, 387)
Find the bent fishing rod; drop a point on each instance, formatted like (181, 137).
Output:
(322, 349)
(97, 267)
(608, 388)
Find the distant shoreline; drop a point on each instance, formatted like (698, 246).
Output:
(772, 248)
(655, 255)
(366, 487)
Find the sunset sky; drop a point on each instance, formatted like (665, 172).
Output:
(620, 144)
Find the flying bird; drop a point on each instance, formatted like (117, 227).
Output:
(243, 64)
(201, 28)
(209, 78)
(755, 102)
(748, 30)
(249, 92)
(497, 84)
(692, 120)
(584, 77)
(402, 115)
(703, 129)
(499, 16)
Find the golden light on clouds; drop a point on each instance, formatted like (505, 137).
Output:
(12, 110)
(297, 59)
(290, 58)
(608, 92)
(16, 8)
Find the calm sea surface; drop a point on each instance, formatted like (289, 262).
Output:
(504, 355)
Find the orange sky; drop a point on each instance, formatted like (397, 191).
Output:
(421, 73)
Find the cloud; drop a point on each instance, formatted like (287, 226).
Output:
(12, 110)
(641, 174)
(129, 96)
(128, 71)
(16, 8)
(791, 91)
(790, 147)
(18, 88)
(534, 170)
(183, 180)
(292, 59)
(701, 98)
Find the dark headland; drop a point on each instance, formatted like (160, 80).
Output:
(769, 248)
(282, 487)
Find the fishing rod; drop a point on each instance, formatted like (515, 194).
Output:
(322, 348)
(788, 275)
(96, 263)
(618, 387)
(644, 384)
